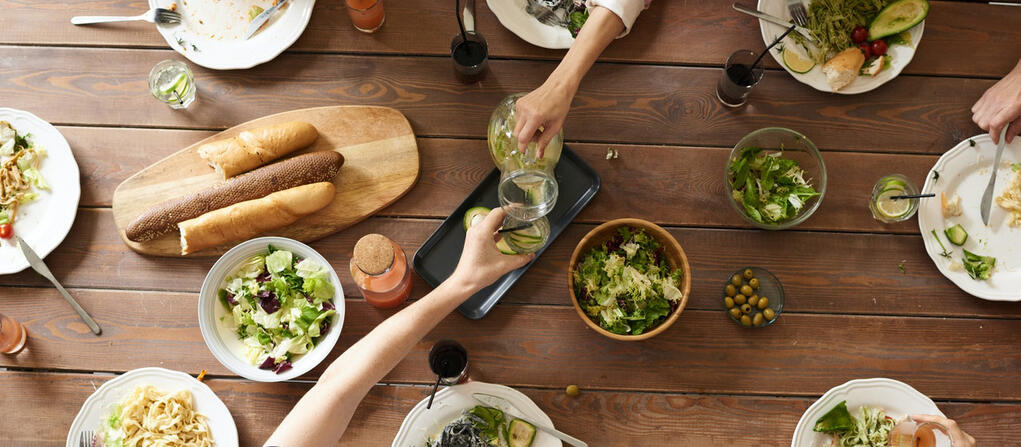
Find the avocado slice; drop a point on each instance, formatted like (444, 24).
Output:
(897, 17)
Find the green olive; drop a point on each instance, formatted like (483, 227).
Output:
(763, 303)
(758, 320)
(731, 290)
(735, 312)
(736, 280)
(754, 282)
(572, 390)
(769, 314)
(746, 309)
(740, 299)
(746, 290)
(753, 300)
(746, 320)
(728, 301)
(748, 274)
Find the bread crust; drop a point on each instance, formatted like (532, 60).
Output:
(256, 147)
(843, 68)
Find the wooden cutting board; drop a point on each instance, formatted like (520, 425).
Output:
(380, 166)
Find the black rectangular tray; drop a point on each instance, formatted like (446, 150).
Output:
(436, 258)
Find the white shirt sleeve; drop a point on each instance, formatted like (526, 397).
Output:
(627, 10)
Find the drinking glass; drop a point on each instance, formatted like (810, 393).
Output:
(531, 236)
(887, 210)
(12, 335)
(172, 83)
(366, 15)
(908, 433)
(737, 79)
(449, 360)
(471, 57)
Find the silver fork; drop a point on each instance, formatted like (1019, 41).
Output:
(543, 14)
(156, 15)
(798, 12)
(85, 440)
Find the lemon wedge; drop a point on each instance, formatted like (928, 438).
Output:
(797, 61)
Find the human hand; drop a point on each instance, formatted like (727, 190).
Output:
(481, 262)
(1001, 106)
(958, 436)
(541, 114)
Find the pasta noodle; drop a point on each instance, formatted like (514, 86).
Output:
(151, 418)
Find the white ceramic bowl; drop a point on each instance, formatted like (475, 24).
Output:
(225, 346)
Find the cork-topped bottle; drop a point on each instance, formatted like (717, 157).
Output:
(380, 271)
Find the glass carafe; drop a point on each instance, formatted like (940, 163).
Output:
(528, 189)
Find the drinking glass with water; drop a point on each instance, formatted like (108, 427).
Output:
(172, 83)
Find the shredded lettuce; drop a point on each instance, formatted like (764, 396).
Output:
(871, 428)
(771, 189)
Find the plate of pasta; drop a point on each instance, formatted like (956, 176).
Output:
(154, 406)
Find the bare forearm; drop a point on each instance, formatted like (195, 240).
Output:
(322, 415)
(600, 29)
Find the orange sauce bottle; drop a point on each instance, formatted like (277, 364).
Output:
(380, 270)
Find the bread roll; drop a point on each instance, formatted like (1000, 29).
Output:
(316, 167)
(248, 219)
(843, 68)
(254, 148)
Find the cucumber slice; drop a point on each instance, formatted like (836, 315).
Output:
(521, 434)
(956, 235)
(898, 17)
(504, 248)
(474, 216)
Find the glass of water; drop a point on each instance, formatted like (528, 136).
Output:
(172, 83)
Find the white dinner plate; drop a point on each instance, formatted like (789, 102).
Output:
(964, 171)
(901, 54)
(512, 15)
(898, 399)
(422, 423)
(44, 222)
(99, 405)
(228, 52)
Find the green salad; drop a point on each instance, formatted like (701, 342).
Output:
(280, 307)
(770, 188)
(870, 427)
(626, 284)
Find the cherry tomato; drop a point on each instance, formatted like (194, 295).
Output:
(859, 34)
(865, 48)
(879, 47)
(6, 231)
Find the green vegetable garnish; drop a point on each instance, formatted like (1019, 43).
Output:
(771, 189)
(946, 253)
(1015, 167)
(838, 419)
(902, 268)
(978, 266)
(578, 19)
(971, 142)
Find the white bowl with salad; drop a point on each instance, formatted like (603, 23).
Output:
(271, 309)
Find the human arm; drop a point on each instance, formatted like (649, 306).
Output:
(323, 413)
(1001, 106)
(958, 436)
(546, 107)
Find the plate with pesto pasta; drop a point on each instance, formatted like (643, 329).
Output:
(163, 407)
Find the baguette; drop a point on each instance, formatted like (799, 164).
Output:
(245, 220)
(843, 68)
(254, 148)
(316, 167)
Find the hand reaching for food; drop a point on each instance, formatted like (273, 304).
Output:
(481, 262)
(1001, 106)
(958, 436)
(542, 112)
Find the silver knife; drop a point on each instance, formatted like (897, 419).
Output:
(775, 20)
(260, 19)
(496, 401)
(38, 265)
(987, 197)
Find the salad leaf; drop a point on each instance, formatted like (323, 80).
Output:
(316, 283)
(769, 188)
(838, 419)
(577, 20)
(978, 266)
(252, 267)
(278, 261)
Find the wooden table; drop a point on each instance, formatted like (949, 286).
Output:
(850, 312)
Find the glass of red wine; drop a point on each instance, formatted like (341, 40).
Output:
(739, 76)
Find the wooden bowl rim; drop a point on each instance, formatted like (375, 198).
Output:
(659, 233)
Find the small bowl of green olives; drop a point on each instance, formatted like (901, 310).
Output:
(753, 297)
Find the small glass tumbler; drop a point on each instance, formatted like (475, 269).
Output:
(12, 335)
(172, 83)
(367, 16)
(888, 210)
(471, 57)
(738, 78)
(449, 360)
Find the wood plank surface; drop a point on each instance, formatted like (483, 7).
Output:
(704, 352)
(689, 178)
(47, 404)
(694, 32)
(845, 274)
(380, 165)
(618, 103)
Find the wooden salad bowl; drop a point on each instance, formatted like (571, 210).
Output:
(672, 249)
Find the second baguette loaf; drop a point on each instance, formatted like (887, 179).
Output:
(256, 147)
(248, 219)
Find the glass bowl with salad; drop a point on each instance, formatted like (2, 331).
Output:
(775, 178)
(629, 279)
(271, 309)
